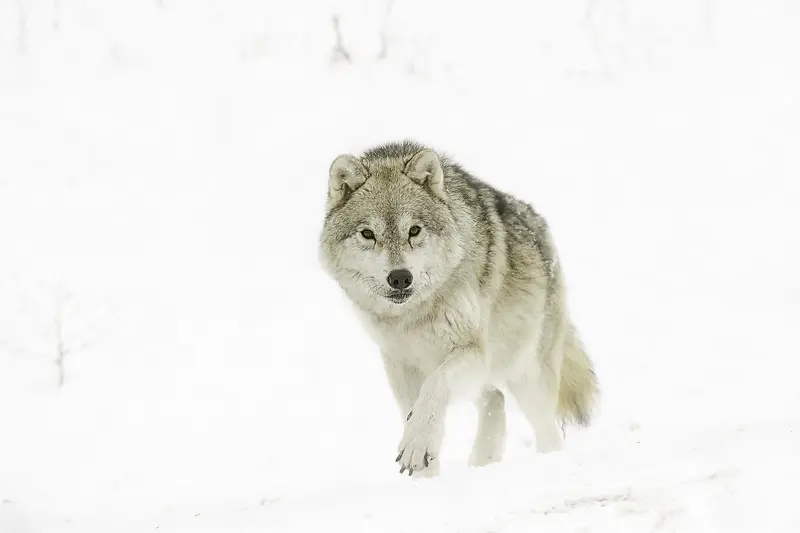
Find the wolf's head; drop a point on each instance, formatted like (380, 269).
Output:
(390, 237)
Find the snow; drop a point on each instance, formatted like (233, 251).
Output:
(162, 180)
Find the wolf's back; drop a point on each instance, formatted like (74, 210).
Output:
(579, 389)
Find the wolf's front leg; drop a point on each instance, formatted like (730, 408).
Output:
(406, 382)
(462, 374)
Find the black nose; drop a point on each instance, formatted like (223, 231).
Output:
(400, 279)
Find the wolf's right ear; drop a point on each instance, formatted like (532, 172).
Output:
(346, 175)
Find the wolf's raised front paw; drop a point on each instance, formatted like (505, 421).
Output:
(419, 448)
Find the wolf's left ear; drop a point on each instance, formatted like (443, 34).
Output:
(426, 169)
(346, 175)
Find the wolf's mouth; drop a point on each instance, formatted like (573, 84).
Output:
(399, 297)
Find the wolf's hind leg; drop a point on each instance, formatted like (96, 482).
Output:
(490, 439)
(537, 395)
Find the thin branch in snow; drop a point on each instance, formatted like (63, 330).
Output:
(340, 53)
(63, 325)
(385, 30)
(22, 26)
(56, 15)
(709, 14)
(69, 338)
(61, 349)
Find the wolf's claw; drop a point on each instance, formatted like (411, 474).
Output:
(427, 459)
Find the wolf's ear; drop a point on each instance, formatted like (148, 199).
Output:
(426, 169)
(346, 175)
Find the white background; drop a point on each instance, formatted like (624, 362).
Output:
(163, 169)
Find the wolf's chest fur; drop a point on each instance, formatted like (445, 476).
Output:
(423, 338)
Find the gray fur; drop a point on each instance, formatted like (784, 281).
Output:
(487, 307)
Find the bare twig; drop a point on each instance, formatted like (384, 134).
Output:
(340, 53)
(385, 30)
(70, 326)
(61, 350)
(96, 330)
(56, 15)
(589, 22)
(709, 14)
(22, 26)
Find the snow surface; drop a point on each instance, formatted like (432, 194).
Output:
(162, 180)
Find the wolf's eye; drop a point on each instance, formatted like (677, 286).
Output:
(414, 231)
(367, 234)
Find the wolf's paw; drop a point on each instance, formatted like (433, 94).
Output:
(419, 449)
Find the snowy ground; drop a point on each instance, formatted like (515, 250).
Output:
(163, 206)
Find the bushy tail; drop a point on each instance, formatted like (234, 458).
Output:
(579, 390)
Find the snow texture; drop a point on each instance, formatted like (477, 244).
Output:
(163, 170)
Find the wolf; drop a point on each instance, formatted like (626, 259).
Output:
(460, 287)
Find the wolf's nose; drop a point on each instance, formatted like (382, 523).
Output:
(400, 279)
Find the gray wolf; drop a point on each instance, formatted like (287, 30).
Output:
(460, 287)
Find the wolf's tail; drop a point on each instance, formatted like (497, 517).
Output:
(579, 389)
